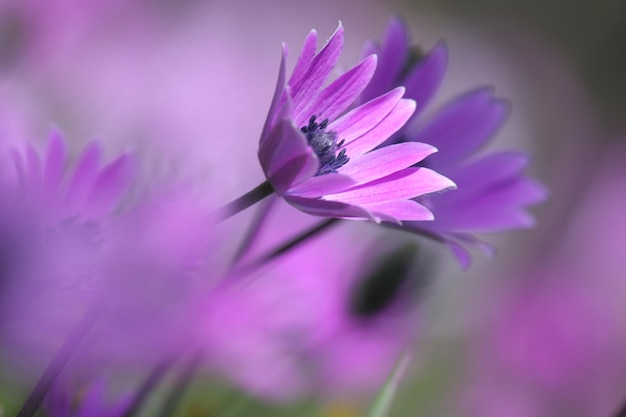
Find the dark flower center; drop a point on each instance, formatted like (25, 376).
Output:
(394, 280)
(325, 145)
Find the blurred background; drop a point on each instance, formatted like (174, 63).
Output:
(537, 330)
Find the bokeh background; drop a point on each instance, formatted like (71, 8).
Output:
(537, 330)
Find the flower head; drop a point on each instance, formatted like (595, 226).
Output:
(54, 227)
(320, 157)
(493, 192)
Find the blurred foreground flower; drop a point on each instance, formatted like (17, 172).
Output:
(53, 227)
(320, 159)
(332, 324)
(492, 193)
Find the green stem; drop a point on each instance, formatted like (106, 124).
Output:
(180, 385)
(151, 381)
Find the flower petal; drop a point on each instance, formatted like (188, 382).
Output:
(54, 165)
(318, 72)
(424, 80)
(462, 127)
(322, 185)
(385, 161)
(404, 184)
(401, 210)
(359, 121)
(304, 60)
(500, 207)
(392, 58)
(341, 93)
(286, 158)
(111, 182)
(383, 130)
(325, 208)
(82, 178)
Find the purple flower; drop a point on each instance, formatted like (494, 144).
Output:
(54, 227)
(59, 403)
(332, 323)
(492, 193)
(320, 158)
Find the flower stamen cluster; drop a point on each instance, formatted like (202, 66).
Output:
(325, 146)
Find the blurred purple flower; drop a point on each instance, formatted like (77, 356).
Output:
(60, 402)
(148, 265)
(331, 324)
(60, 218)
(492, 193)
(553, 338)
(319, 158)
(53, 227)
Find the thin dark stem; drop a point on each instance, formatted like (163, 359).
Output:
(60, 360)
(180, 385)
(286, 247)
(248, 199)
(151, 381)
(254, 230)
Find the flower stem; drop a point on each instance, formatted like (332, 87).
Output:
(60, 360)
(254, 230)
(248, 199)
(180, 385)
(152, 380)
(286, 247)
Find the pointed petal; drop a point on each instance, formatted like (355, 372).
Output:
(382, 131)
(341, 93)
(385, 161)
(461, 254)
(501, 165)
(54, 165)
(425, 79)
(359, 121)
(322, 185)
(405, 184)
(286, 158)
(392, 58)
(83, 177)
(462, 127)
(325, 208)
(497, 208)
(304, 60)
(402, 210)
(317, 73)
(112, 181)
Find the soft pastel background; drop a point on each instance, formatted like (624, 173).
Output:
(538, 330)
